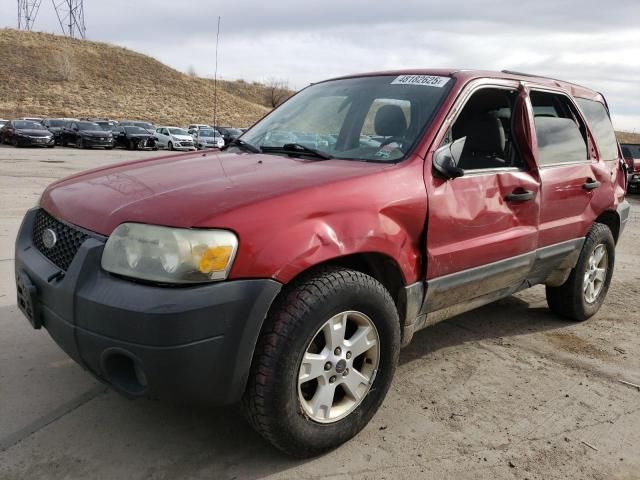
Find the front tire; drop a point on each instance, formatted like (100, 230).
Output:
(170, 146)
(324, 362)
(582, 295)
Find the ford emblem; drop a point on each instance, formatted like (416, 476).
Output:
(49, 238)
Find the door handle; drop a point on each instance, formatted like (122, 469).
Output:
(591, 184)
(520, 195)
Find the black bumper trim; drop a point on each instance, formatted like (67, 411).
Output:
(194, 344)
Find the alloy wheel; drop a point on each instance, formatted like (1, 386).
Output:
(596, 273)
(338, 367)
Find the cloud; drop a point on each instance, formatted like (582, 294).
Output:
(576, 40)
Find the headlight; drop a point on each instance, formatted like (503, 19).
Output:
(169, 255)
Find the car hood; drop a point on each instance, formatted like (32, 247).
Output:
(183, 138)
(187, 190)
(33, 133)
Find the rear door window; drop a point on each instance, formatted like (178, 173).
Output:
(561, 134)
(601, 128)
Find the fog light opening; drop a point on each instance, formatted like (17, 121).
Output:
(125, 373)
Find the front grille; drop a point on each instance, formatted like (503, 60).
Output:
(68, 239)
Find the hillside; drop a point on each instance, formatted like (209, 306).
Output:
(51, 75)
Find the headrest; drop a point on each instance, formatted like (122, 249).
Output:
(485, 134)
(390, 121)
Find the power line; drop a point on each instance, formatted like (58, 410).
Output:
(70, 15)
(27, 13)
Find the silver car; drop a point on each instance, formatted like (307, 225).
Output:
(208, 138)
(174, 138)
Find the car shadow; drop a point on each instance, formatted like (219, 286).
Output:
(511, 316)
(154, 439)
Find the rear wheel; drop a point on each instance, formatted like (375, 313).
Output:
(582, 295)
(79, 143)
(324, 362)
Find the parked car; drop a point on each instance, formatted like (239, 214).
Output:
(85, 134)
(2, 122)
(25, 133)
(197, 126)
(33, 119)
(104, 123)
(229, 133)
(207, 138)
(149, 127)
(174, 138)
(631, 153)
(302, 271)
(134, 138)
(56, 125)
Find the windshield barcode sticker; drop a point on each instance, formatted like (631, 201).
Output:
(424, 80)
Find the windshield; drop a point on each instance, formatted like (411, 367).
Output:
(88, 126)
(57, 123)
(144, 125)
(367, 118)
(208, 133)
(135, 130)
(105, 126)
(178, 131)
(28, 124)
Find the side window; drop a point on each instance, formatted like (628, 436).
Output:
(601, 127)
(485, 124)
(562, 136)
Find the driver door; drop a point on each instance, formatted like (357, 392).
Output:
(483, 226)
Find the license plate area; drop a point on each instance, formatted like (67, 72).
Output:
(28, 299)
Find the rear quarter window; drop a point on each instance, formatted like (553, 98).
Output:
(600, 124)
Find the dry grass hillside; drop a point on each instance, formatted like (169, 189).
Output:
(628, 137)
(51, 75)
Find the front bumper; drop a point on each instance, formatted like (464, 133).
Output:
(187, 345)
(96, 142)
(34, 141)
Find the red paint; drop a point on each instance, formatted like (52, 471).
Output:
(291, 214)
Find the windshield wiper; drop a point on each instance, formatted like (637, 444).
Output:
(298, 149)
(237, 142)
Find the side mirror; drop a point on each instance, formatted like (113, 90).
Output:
(446, 158)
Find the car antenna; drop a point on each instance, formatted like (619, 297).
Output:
(215, 79)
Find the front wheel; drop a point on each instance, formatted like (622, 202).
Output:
(324, 362)
(170, 146)
(582, 295)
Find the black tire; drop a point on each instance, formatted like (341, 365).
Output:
(271, 403)
(79, 143)
(170, 146)
(131, 145)
(568, 300)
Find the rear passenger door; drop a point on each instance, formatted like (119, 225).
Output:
(570, 173)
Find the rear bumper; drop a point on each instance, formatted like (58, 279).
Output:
(187, 345)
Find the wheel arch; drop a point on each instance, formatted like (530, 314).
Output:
(612, 220)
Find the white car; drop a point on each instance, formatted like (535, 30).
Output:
(174, 138)
(194, 127)
(208, 138)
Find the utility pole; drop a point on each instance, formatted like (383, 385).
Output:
(215, 81)
(27, 13)
(70, 15)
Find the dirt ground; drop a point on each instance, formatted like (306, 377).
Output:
(506, 391)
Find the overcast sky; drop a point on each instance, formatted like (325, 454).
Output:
(592, 42)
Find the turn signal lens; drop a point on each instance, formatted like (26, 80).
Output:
(215, 259)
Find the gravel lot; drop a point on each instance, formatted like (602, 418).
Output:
(506, 391)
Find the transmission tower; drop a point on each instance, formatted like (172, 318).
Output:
(71, 17)
(27, 13)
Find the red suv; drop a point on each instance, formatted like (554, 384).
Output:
(631, 154)
(287, 271)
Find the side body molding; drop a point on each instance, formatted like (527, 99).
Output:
(450, 295)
